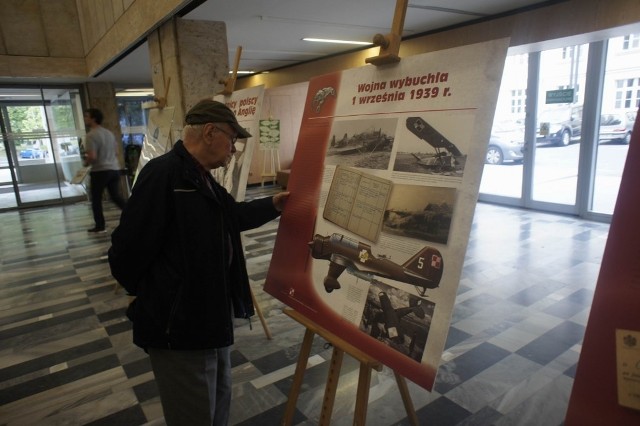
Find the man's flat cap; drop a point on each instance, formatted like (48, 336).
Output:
(210, 111)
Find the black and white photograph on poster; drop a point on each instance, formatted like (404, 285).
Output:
(398, 319)
(423, 270)
(428, 148)
(362, 143)
(420, 212)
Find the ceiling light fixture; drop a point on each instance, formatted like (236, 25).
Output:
(138, 92)
(327, 40)
(20, 95)
(243, 72)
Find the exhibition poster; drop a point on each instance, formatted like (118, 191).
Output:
(269, 134)
(246, 104)
(384, 183)
(157, 139)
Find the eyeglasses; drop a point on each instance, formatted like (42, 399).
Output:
(232, 138)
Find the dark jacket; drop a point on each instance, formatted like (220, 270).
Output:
(178, 250)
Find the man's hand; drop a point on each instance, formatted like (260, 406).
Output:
(280, 199)
(89, 157)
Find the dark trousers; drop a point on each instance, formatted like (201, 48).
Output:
(109, 179)
(194, 386)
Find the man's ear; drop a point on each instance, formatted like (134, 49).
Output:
(207, 132)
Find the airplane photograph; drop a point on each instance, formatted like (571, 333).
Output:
(421, 212)
(434, 153)
(398, 319)
(362, 143)
(423, 270)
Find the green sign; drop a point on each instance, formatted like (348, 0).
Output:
(563, 96)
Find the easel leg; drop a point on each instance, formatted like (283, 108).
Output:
(362, 397)
(305, 350)
(331, 387)
(259, 311)
(364, 380)
(406, 399)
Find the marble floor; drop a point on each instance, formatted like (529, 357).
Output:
(66, 356)
(41, 193)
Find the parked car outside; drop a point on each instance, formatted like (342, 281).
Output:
(31, 153)
(617, 126)
(506, 144)
(560, 126)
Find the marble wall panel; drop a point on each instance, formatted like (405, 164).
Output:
(193, 54)
(20, 66)
(3, 49)
(203, 56)
(165, 68)
(137, 20)
(61, 27)
(22, 28)
(118, 8)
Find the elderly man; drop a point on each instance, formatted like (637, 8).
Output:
(178, 250)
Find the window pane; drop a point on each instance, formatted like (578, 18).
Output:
(621, 82)
(502, 173)
(555, 169)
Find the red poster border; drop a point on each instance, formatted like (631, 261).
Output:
(616, 305)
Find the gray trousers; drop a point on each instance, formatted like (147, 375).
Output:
(195, 386)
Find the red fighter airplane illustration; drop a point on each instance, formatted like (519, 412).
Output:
(423, 270)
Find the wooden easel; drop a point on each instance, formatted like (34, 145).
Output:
(390, 43)
(162, 101)
(364, 379)
(230, 82)
(256, 305)
(272, 158)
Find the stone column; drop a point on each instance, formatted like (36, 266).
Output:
(103, 97)
(194, 55)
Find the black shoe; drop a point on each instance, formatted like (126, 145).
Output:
(97, 230)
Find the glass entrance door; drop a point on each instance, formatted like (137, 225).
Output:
(30, 147)
(66, 128)
(39, 132)
(568, 166)
(7, 190)
(561, 85)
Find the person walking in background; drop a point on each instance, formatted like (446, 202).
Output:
(101, 154)
(178, 250)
